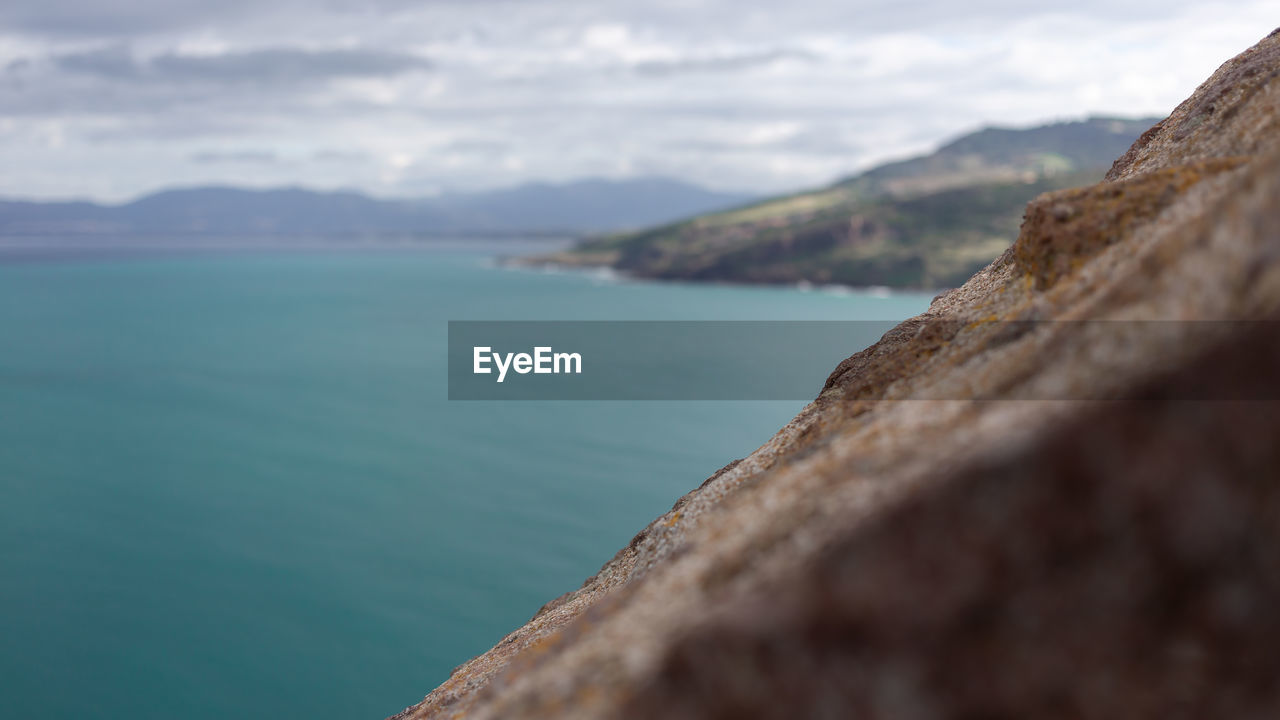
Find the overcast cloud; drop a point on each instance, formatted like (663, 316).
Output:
(109, 99)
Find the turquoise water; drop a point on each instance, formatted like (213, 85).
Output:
(231, 484)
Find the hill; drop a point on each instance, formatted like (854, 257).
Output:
(581, 206)
(929, 221)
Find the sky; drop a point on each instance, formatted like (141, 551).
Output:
(111, 99)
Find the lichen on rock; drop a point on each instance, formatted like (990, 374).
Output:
(1063, 229)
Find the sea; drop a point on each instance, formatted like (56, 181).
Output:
(232, 484)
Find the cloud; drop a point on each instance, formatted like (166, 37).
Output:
(735, 94)
(114, 62)
(816, 139)
(268, 66)
(113, 18)
(720, 63)
(180, 93)
(238, 157)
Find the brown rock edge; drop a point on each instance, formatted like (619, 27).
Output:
(887, 555)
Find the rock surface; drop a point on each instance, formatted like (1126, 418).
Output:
(1054, 494)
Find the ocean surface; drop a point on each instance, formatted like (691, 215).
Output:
(231, 484)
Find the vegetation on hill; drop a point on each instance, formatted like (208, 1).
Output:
(926, 222)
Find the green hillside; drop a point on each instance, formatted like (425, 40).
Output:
(927, 222)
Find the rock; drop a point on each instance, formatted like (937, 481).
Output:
(1054, 494)
(1063, 229)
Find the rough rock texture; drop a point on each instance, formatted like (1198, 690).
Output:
(1054, 494)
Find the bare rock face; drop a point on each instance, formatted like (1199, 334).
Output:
(1054, 494)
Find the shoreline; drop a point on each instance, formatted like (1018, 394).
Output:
(611, 274)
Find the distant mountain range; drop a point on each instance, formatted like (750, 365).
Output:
(926, 222)
(582, 206)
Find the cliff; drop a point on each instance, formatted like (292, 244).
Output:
(1054, 494)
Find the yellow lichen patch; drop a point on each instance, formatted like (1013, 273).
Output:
(1063, 229)
(541, 645)
(985, 320)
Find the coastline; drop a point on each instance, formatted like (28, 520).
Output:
(607, 273)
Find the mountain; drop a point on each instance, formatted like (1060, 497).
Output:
(588, 204)
(585, 205)
(925, 222)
